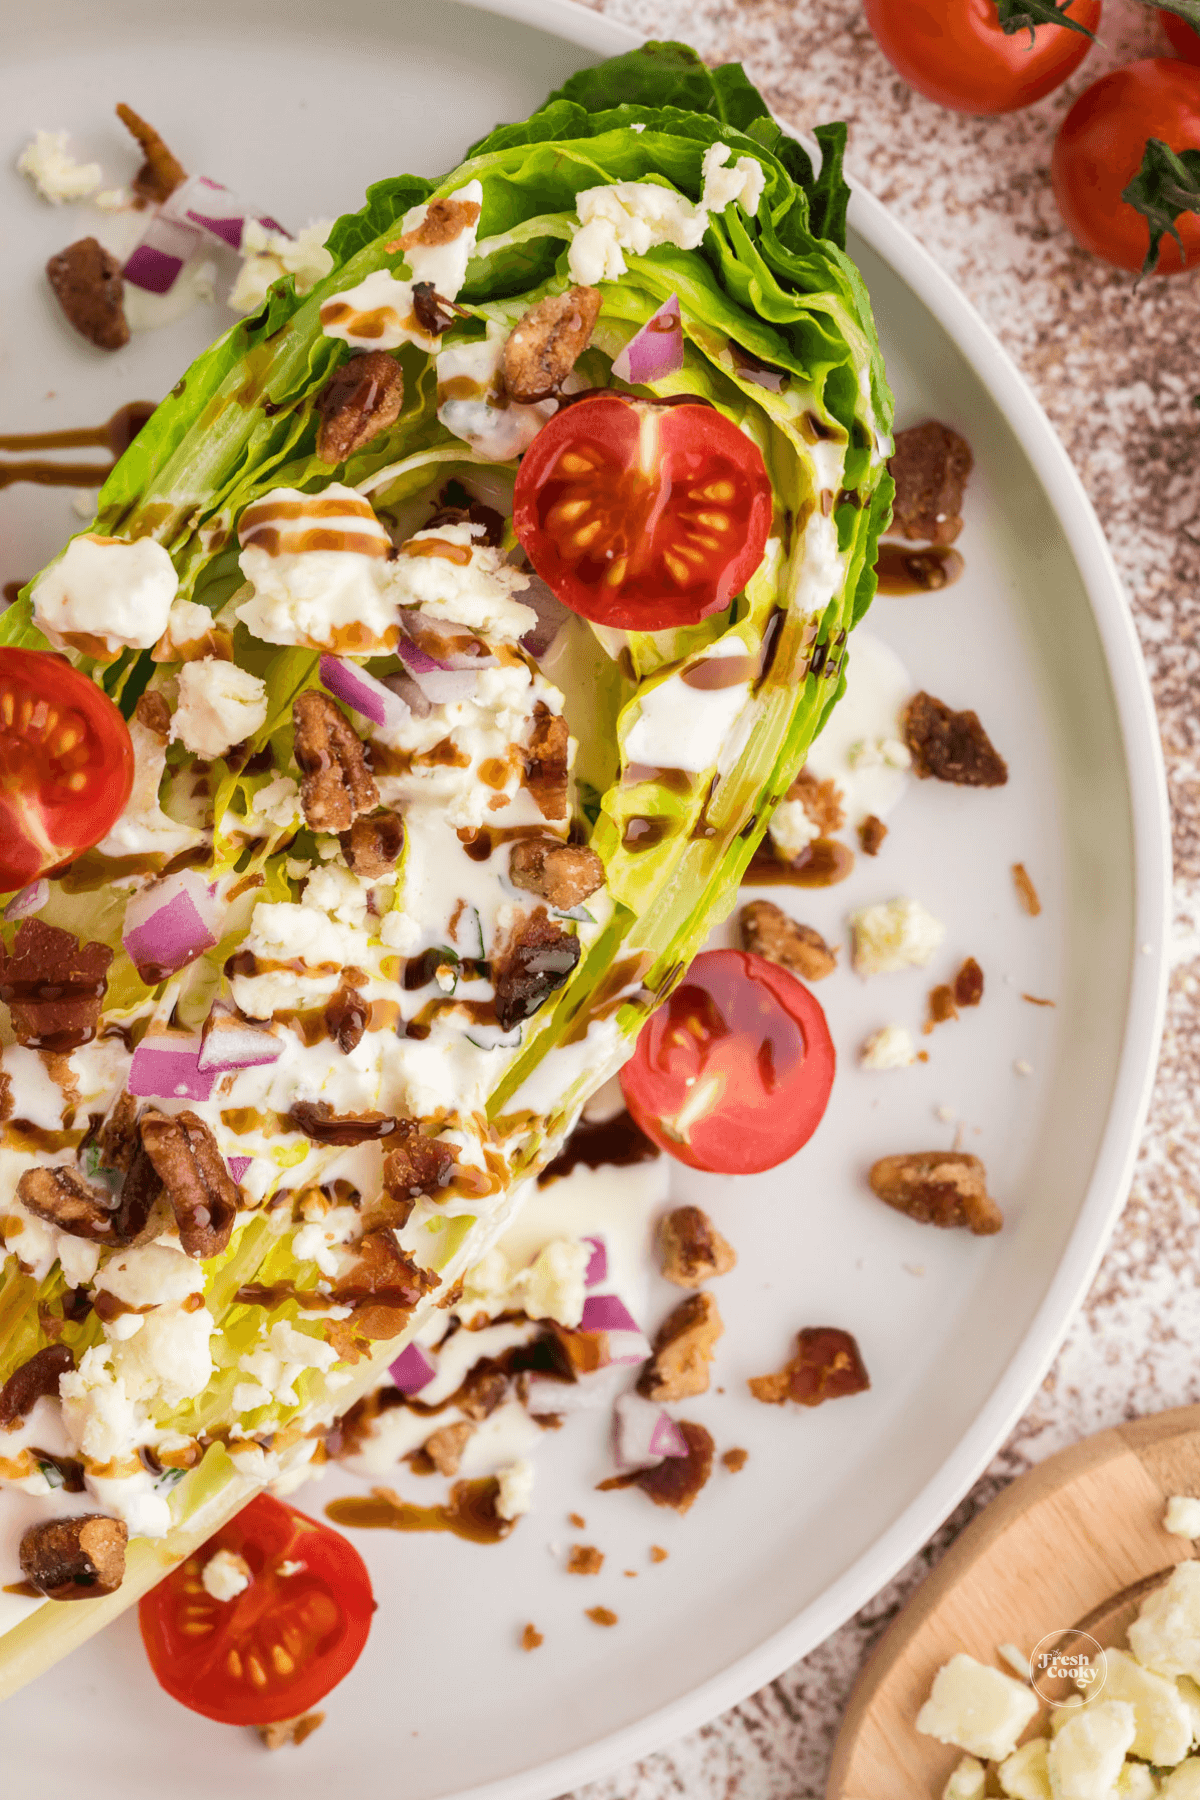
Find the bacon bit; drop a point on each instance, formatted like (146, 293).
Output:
(677, 1480)
(941, 1008)
(79, 1558)
(443, 221)
(1027, 894)
(930, 466)
(585, 1559)
(445, 1447)
(546, 762)
(951, 746)
(346, 1012)
(693, 1250)
(318, 1121)
(337, 784)
(968, 984)
(823, 801)
(767, 931)
(485, 1388)
(203, 1195)
(538, 958)
(36, 1379)
(683, 1349)
(289, 1731)
(161, 173)
(577, 1520)
(602, 1615)
(658, 1554)
(382, 1286)
(735, 1460)
(531, 1638)
(54, 987)
(416, 1165)
(546, 343)
(1034, 1000)
(871, 833)
(827, 1366)
(90, 288)
(938, 1187)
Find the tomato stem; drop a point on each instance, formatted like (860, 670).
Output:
(1165, 187)
(1027, 15)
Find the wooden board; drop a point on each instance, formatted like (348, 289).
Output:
(1076, 1542)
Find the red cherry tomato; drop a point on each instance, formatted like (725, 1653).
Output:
(66, 764)
(640, 515)
(733, 1073)
(1184, 41)
(276, 1648)
(956, 53)
(1099, 150)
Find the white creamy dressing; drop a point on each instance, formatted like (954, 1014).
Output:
(473, 403)
(862, 746)
(378, 313)
(679, 726)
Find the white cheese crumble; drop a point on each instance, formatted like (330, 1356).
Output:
(891, 1047)
(1087, 1755)
(225, 1575)
(378, 313)
(283, 933)
(54, 172)
(976, 1708)
(474, 589)
(276, 1365)
(144, 828)
(187, 624)
(269, 254)
(638, 215)
(474, 405)
(106, 594)
(151, 1275)
(515, 1483)
(220, 705)
(968, 1781)
(338, 891)
(313, 562)
(1161, 1718)
(1165, 1636)
(1182, 1518)
(791, 830)
(1024, 1775)
(550, 1287)
(896, 934)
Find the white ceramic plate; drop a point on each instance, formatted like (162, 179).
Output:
(301, 105)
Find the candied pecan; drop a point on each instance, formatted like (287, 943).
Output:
(202, 1193)
(563, 874)
(584, 1559)
(53, 986)
(432, 311)
(337, 784)
(546, 762)
(871, 833)
(361, 398)
(153, 712)
(36, 1378)
(346, 1012)
(938, 1187)
(968, 984)
(767, 931)
(318, 1121)
(823, 801)
(75, 1559)
(930, 466)
(485, 1388)
(373, 844)
(677, 1480)
(951, 746)
(546, 343)
(65, 1200)
(693, 1250)
(416, 1164)
(827, 1366)
(290, 1731)
(161, 173)
(89, 287)
(139, 1194)
(382, 1286)
(535, 962)
(443, 221)
(683, 1348)
(117, 1140)
(1027, 894)
(444, 1449)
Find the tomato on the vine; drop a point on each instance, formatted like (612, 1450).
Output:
(957, 52)
(66, 764)
(733, 1073)
(642, 514)
(1183, 40)
(1100, 149)
(277, 1647)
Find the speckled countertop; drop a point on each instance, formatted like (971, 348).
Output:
(1116, 369)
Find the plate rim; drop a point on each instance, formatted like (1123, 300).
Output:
(1108, 1189)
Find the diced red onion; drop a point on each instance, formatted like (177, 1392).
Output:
(445, 646)
(237, 1165)
(347, 682)
(230, 1042)
(31, 899)
(552, 616)
(441, 686)
(412, 1370)
(597, 1269)
(167, 1068)
(170, 923)
(155, 261)
(607, 1313)
(654, 351)
(198, 209)
(643, 1434)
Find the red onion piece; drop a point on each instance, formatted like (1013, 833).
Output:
(445, 646)
(355, 688)
(552, 616)
(597, 1269)
(237, 1165)
(412, 1370)
(31, 899)
(211, 209)
(167, 1068)
(643, 1434)
(441, 686)
(155, 261)
(654, 351)
(170, 923)
(228, 1041)
(406, 689)
(608, 1313)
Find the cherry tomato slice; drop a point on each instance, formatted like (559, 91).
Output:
(280, 1645)
(1183, 40)
(733, 1073)
(1099, 150)
(641, 515)
(66, 764)
(957, 54)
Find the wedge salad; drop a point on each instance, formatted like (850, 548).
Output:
(377, 761)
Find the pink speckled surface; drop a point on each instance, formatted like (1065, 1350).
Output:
(1115, 367)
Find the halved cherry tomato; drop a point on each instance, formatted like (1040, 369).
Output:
(1099, 150)
(643, 515)
(66, 764)
(1184, 41)
(956, 52)
(280, 1645)
(733, 1073)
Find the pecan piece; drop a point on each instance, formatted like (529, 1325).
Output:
(968, 984)
(443, 221)
(153, 712)
(767, 931)
(89, 287)
(75, 1559)
(417, 1164)
(938, 1187)
(827, 1366)
(337, 783)
(930, 466)
(161, 173)
(201, 1191)
(871, 833)
(683, 1348)
(373, 844)
(485, 1388)
(53, 986)
(546, 762)
(64, 1199)
(941, 1008)
(445, 1448)
(382, 1286)
(361, 398)
(290, 1731)
(546, 343)
(951, 746)
(36, 1378)
(823, 801)
(563, 874)
(693, 1250)
(534, 963)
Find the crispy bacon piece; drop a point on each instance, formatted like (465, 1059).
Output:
(563, 874)
(676, 1480)
(584, 1559)
(36, 1378)
(951, 746)
(373, 844)
(416, 1165)
(968, 984)
(536, 961)
(823, 801)
(89, 287)
(546, 762)
(337, 784)
(382, 1286)
(693, 1250)
(75, 1559)
(361, 398)
(346, 1012)
(443, 221)
(161, 173)
(871, 833)
(938, 1187)
(767, 931)
(546, 343)
(445, 1447)
(827, 1366)
(485, 1388)
(53, 986)
(202, 1193)
(683, 1348)
(930, 466)
(64, 1199)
